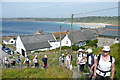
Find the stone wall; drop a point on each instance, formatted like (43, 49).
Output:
(105, 41)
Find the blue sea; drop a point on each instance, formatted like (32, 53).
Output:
(12, 28)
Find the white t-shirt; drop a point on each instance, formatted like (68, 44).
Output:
(89, 60)
(81, 55)
(35, 60)
(67, 58)
(104, 65)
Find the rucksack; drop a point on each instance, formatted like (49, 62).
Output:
(98, 58)
(92, 56)
(79, 54)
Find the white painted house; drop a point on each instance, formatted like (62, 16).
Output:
(25, 44)
(77, 38)
(11, 41)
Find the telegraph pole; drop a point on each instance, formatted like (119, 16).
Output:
(60, 38)
(71, 30)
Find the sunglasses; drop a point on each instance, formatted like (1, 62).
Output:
(106, 51)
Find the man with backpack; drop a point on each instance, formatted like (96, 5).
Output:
(90, 62)
(36, 61)
(81, 60)
(104, 65)
(44, 60)
(27, 61)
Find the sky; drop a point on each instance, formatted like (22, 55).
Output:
(14, 9)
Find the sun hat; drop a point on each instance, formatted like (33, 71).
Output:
(62, 54)
(89, 50)
(106, 48)
(45, 56)
(80, 50)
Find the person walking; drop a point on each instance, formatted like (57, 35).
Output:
(27, 61)
(45, 61)
(6, 62)
(81, 60)
(104, 65)
(36, 61)
(68, 60)
(90, 62)
(13, 62)
(18, 61)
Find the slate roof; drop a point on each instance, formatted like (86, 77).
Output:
(89, 34)
(76, 36)
(34, 42)
(111, 31)
(112, 27)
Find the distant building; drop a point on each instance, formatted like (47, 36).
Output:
(34, 42)
(109, 36)
(11, 41)
(78, 37)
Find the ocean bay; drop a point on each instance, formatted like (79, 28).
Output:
(11, 28)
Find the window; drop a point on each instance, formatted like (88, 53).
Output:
(11, 41)
(66, 42)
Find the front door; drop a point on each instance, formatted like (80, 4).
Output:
(23, 52)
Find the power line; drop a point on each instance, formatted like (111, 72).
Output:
(96, 11)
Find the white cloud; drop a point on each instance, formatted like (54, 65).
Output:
(60, 0)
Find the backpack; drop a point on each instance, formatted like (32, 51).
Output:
(79, 54)
(92, 56)
(98, 58)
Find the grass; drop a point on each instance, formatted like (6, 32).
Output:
(54, 71)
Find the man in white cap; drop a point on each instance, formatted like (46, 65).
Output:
(104, 65)
(81, 60)
(90, 62)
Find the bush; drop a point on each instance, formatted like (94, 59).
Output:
(75, 48)
(92, 43)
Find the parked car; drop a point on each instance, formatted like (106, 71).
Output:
(7, 50)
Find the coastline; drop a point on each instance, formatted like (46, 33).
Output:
(85, 25)
(88, 25)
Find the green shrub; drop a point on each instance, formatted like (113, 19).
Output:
(92, 43)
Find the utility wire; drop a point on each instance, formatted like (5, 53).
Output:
(97, 11)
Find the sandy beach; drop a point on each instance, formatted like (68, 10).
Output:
(88, 25)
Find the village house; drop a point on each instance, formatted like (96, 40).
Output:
(78, 37)
(25, 44)
(11, 41)
(109, 36)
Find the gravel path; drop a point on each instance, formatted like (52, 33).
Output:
(76, 74)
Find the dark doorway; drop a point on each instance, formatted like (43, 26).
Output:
(23, 52)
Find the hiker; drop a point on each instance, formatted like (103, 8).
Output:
(13, 62)
(68, 60)
(27, 61)
(44, 60)
(18, 61)
(6, 62)
(36, 61)
(62, 60)
(81, 60)
(90, 62)
(104, 65)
